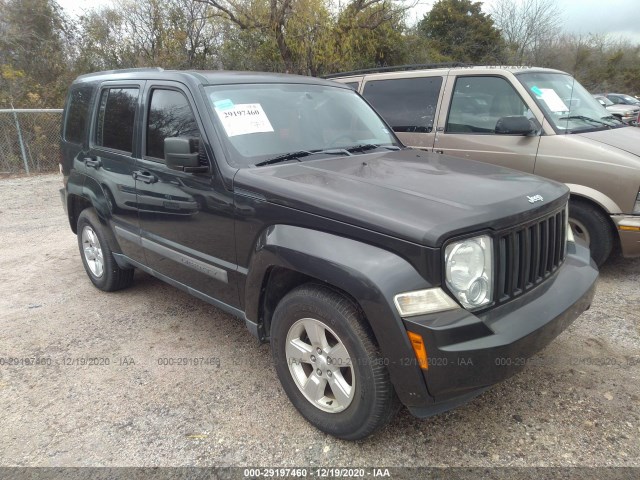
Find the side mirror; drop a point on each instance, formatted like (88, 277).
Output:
(181, 153)
(602, 102)
(514, 125)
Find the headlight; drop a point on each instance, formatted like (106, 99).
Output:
(636, 208)
(469, 271)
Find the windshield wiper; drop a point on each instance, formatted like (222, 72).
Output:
(302, 153)
(363, 147)
(586, 119)
(617, 121)
(284, 157)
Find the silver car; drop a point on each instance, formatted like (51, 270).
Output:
(627, 113)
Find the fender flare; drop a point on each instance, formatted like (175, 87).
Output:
(90, 191)
(369, 274)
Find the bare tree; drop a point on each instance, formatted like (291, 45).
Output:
(527, 26)
(274, 16)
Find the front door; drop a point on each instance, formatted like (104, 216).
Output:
(467, 128)
(186, 219)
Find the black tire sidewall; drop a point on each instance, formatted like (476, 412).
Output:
(89, 218)
(355, 418)
(601, 237)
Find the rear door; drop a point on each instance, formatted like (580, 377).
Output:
(409, 105)
(110, 161)
(473, 104)
(186, 219)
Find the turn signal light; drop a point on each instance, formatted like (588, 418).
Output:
(419, 349)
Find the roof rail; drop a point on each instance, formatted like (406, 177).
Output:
(399, 68)
(125, 70)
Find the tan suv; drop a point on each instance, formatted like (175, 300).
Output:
(536, 120)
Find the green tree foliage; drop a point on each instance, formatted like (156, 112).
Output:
(367, 34)
(459, 30)
(310, 36)
(41, 50)
(33, 55)
(99, 41)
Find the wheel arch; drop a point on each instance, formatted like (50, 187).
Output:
(369, 276)
(91, 195)
(595, 197)
(595, 204)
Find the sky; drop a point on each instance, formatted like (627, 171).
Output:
(619, 18)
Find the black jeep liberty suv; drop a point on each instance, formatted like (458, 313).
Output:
(381, 275)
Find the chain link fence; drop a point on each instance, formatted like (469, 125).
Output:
(29, 140)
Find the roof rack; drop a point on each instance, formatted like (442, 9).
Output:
(399, 68)
(125, 70)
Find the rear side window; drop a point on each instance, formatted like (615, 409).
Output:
(407, 104)
(169, 116)
(75, 125)
(116, 117)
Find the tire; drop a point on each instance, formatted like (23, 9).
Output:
(96, 254)
(357, 398)
(593, 227)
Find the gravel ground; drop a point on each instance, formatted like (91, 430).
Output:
(578, 405)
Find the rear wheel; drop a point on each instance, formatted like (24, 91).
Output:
(329, 365)
(97, 256)
(589, 224)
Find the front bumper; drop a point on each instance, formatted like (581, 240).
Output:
(468, 353)
(629, 232)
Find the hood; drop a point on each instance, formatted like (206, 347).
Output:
(624, 138)
(622, 108)
(417, 196)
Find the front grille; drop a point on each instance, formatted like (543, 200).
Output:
(529, 254)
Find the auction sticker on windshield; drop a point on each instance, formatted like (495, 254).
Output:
(242, 118)
(553, 100)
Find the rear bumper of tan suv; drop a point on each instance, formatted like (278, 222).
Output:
(628, 227)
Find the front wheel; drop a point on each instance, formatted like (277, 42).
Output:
(590, 225)
(329, 365)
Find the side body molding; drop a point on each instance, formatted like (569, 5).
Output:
(370, 274)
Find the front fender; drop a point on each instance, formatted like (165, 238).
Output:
(369, 274)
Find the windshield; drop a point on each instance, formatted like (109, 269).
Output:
(566, 104)
(629, 99)
(265, 121)
(603, 100)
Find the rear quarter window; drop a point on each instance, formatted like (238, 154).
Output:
(75, 126)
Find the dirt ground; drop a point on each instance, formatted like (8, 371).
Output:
(577, 405)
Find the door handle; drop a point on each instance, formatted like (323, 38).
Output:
(440, 151)
(144, 176)
(92, 162)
